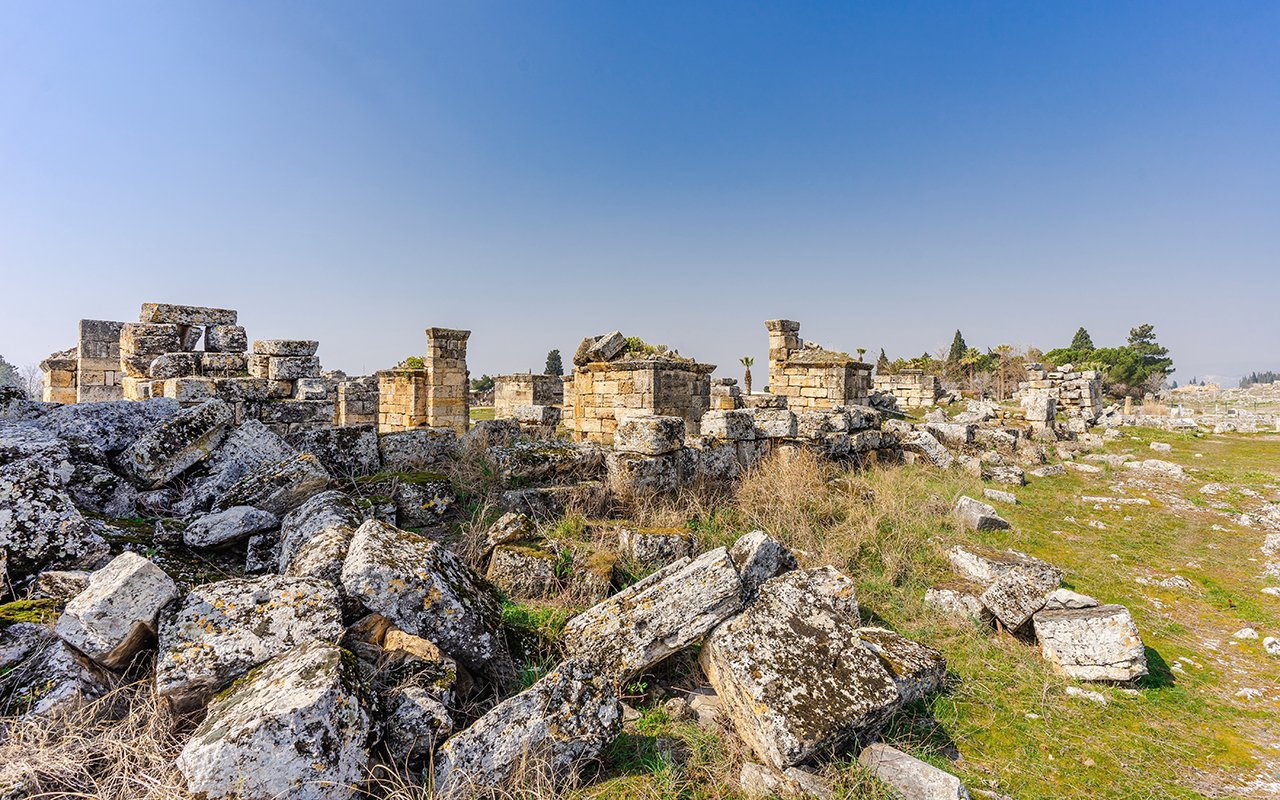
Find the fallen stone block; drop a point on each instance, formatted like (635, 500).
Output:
(1018, 594)
(1000, 497)
(295, 727)
(222, 630)
(925, 444)
(910, 777)
(225, 339)
(792, 673)
(224, 527)
(1060, 599)
(974, 515)
(165, 452)
(959, 602)
(417, 450)
(655, 546)
(759, 557)
(111, 426)
(285, 348)
(1007, 474)
(525, 571)
(1092, 644)
(983, 565)
(277, 488)
(350, 452)
(759, 782)
(40, 526)
(426, 590)
(918, 671)
(774, 423)
(551, 730)
(315, 537)
(734, 425)
(649, 434)
(1050, 471)
(656, 617)
(115, 616)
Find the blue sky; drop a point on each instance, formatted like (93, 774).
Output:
(537, 172)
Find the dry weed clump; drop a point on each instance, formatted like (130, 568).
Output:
(120, 747)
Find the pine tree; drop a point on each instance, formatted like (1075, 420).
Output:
(554, 365)
(1082, 342)
(958, 348)
(882, 363)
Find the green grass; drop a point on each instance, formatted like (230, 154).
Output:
(482, 412)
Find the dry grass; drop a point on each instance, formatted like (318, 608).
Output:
(120, 747)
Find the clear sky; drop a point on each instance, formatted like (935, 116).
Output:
(536, 172)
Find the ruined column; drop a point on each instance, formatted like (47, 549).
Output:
(448, 399)
(784, 339)
(98, 361)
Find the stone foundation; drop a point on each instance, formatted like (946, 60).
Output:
(810, 376)
(525, 389)
(912, 388)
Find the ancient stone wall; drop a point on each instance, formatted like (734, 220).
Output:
(435, 396)
(358, 401)
(60, 377)
(525, 389)
(605, 391)
(1079, 394)
(810, 376)
(98, 374)
(913, 388)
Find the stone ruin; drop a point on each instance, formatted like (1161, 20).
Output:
(1044, 392)
(435, 395)
(912, 388)
(809, 376)
(525, 389)
(193, 354)
(610, 382)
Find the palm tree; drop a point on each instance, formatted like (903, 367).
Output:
(1003, 351)
(746, 362)
(861, 352)
(970, 359)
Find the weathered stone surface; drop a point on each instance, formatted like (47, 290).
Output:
(19, 640)
(656, 546)
(277, 488)
(793, 674)
(1049, 471)
(1019, 593)
(774, 423)
(55, 584)
(1157, 468)
(1007, 474)
(175, 365)
(285, 347)
(732, 425)
(168, 450)
(315, 536)
(1092, 644)
(524, 571)
(345, 453)
(759, 557)
(224, 527)
(1000, 497)
(951, 434)
(510, 527)
(917, 670)
(55, 679)
(759, 782)
(649, 434)
(926, 445)
(221, 630)
(607, 347)
(418, 450)
(40, 527)
(115, 616)
(975, 515)
(909, 777)
(417, 722)
(546, 461)
(1060, 599)
(225, 339)
(295, 727)
(246, 448)
(292, 368)
(111, 426)
(545, 417)
(660, 615)
(983, 565)
(170, 314)
(552, 729)
(961, 603)
(428, 591)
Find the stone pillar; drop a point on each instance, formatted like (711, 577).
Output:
(402, 400)
(784, 339)
(448, 398)
(98, 361)
(59, 377)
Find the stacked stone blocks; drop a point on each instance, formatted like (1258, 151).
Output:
(810, 376)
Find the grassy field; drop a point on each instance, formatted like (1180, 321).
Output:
(1005, 722)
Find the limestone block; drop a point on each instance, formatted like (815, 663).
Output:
(961, 603)
(171, 448)
(311, 389)
(1019, 593)
(224, 527)
(984, 566)
(296, 727)
(655, 546)
(1007, 474)
(289, 368)
(567, 719)
(792, 673)
(547, 416)
(174, 365)
(660, 615)
(428, 591)
(225, 339)
(239, 390)
(732, 425)
(1092, 644)
(149, 339)
(925, 444)
(276, 487)
(524, 571)
(909, 777)
(189, 390)
(649, 434)
(975, 515)
(220, 631)
(285, 347)
(115, 616)
(917, 670)
(223, 364)
(774, 423)
(167, 313)
(259, 365)
(759, 557)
